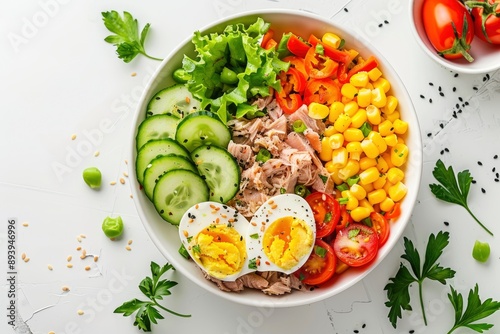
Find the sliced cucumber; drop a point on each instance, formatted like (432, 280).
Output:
(202, 128)
(161, 165)
(175, 100)
(156, 127)
(154, 148)
(176, 191)
(220, 171)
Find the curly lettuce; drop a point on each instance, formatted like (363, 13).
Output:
(237, 48)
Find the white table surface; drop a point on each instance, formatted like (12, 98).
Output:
(60, 78)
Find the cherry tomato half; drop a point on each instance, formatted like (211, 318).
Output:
(486, 17)
(318, 66)
(324, 91)
(381, 226)
(449, 27)
(356, 245)
(345, 218)
(320, 266)
(326, 211)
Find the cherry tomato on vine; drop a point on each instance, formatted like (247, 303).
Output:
(356, 245)
(486, 17)
(326, 210)
(449, 27)
(320, 266)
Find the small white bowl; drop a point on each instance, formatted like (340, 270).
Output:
(165, 236)
(486, 56)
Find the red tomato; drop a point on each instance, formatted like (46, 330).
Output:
(289, 103)
(449, 27)
(394, 213)
(356, 245)
(345, 218)
(366, 66)
(320, 266)
(324, 91)
(318, 66)
(486, 17)
(381, 226)
(326, 211)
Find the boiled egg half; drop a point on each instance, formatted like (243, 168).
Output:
(279, 237)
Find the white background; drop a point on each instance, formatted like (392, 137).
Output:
(60, 78)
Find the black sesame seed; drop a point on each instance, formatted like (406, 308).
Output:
(380, 25)
(442, 152)
(454, 114)
(364, 325)
(459, 111)
(457, 106)
(439, 88)
(494, 169)
(456, 75)
(386, 22)
(460, 99)
(496, 180)
(483, 190)
(454, 89)
(446, 224)
(356, 331)
(466, 103)
(441, 93)
(441, 125)
(475, 88)
(346, 10)
(430, 100)
(412, 331)
(487, 76)
(473, 181)
(422, 97)
(429, 134)
(479, 163)
(495, 156)
(431, 84)
(446, 149)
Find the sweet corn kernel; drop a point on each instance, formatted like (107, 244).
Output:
(400, 127)
(391, 140)
(374, 74)
(359, 79)
(394, 175)
(330, 168)
(354, 147)
(348, 90)
(379, 142)
(318, 110)
(350, 108)
(330, 131)
(385, 128)
(369, 148)
(388, 184)
(387, 204)
(352, 201)
(342, 122)
(399, 154)
(365, 204)
(358, 191)
(353, 135)
(331, 39)
(369, 175)
(359, 118)
(387, 157)
(336, 109)
(382, 83)
(380, 182)
(349, 170)
(398, 191)
(382, 165)
(335, 177)
(373, 114)
(336, 141)
(364, 97)
(376, 196)
(401, 140)
(360, 213)
(345, 99)
(339, 157)
(326, 150)
(378, 97)
(366, 163)
(392, 117)
(391, 105)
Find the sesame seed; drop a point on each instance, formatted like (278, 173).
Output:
(83, 236)
(84, 254)
(346, 10)
(126, 161)
(483, 190)
(446, 224)
(380, 25)
(96, 153)
(131, 196)
(87, 268)
(130, 242)
(80, 312)
(422, 96)
(27, 259)
(125, 174)
(23, 256)
(96, 258)
(69, 265)
(79, 248)
(112, 183)
(456, 75)
(69, 258)
(122, 180)
(73, 136)
(79, 239)
(52, 332)
(128, 248)
(479, 163)
(65, 288)
(50, 267)
(133, 74)
(495, 156)
(26, 224)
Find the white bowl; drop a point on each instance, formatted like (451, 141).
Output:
(486, 56)
(165, 236)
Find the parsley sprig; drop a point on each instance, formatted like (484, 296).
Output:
(475, 310)
(155, 289)
(398, 289)
(453, 189)
(126, 35)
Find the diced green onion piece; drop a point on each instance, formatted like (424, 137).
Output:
(263, 155)
(299, 126)
(353, 180)
(320, 49)
(342, 187)
(343, 200)
(481, 251)
(320, 251)
(183, 251)
(301, 190)
(366, 128)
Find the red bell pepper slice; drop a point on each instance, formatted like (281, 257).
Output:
(298, 64)
(297, 46)
(289, 103)
(292, 81)
(270, 44)
(267, 36)
(368, 65)
(324, 91)
(318, 66)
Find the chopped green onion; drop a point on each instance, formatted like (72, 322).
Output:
(282, 191)
(183, 251)
(353, 180)
(320, 251)
(328, 217)
(263, 155)
(252, 264)
(343, 200)
(196, 249)
(367, 221)
(254, 236)
(299, 126)
(301, 190)
(319, 49)
(323, 178)
(353, 233)
(342, 187)
(341, 45)
(366, 128)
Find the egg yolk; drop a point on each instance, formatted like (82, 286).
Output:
(286, 241)
(220, 250)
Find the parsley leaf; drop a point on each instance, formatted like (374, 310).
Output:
(126, 39)
(155, 289)
(475, 310)
(453, 189)
(398, 294)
